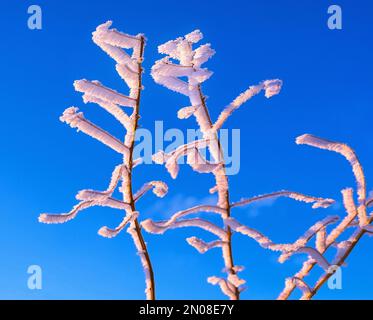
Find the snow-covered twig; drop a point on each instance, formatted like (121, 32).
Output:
(351, 157)
(326, 240)
(181, 71)
(299, 283)
(159, 188)
(285, 249)
(76, 120)
(129, 68)
(202, 246)
(318, 202)
(161, 227)
(171, 159)
(271, 88)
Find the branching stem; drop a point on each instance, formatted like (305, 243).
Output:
(135, 229)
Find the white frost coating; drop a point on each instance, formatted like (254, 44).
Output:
(115, 38)
(172, 167)
(76, 119)
(238, 268)
(129, 68)
(144, 261)
(103, 202)
(161, 227)
(111, 233)
(235, 280)
(199, 164)
(172, 158)
(348, 202)
(160, 157)
(213, 190)
(169, 48)
(351, 157)
(308, 235)
(183, 149)
(194, 36)
(261, 239)
(160, 189)
(91, 198)
(222, 187)
(342, 248)
(185, 53)
(96, 89)
(226, 287)
(130, 77)
(348, 220)
(202, 54)
(62, 218)
(166, 73)
(167, 68)
(112, 108)
(104, 39)
(202, 246)
(137, 162)
(114, 180)
(192, 210)
(289, 286)
(186, 112)
(101, 199)
(321, 240)
(117, 54)
(286, 249)
(181, 48)
(315, 255)
(271, 87)
(171, 83)
(318, 202)
(300, 284)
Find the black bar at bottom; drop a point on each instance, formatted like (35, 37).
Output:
(188, 309)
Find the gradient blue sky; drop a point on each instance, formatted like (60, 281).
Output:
(327, 91)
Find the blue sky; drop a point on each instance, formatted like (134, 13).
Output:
(327, 92)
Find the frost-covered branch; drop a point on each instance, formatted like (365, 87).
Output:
(76, 120)
(181, 71)
(285, 249)
(161, 227)
(159, 188)
(318, 202)
(171, 159)
(202, 246)
(299, 283)
(129, 68)
(192, 210)
(271, 88)
(226, 287)
(351, 157)
(355, 217)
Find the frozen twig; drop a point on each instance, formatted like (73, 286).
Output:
(271, 88)
(326, 240)
(317, 202)
(129, 68)
(181, 71)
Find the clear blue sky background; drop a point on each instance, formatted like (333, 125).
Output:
(327, 91)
